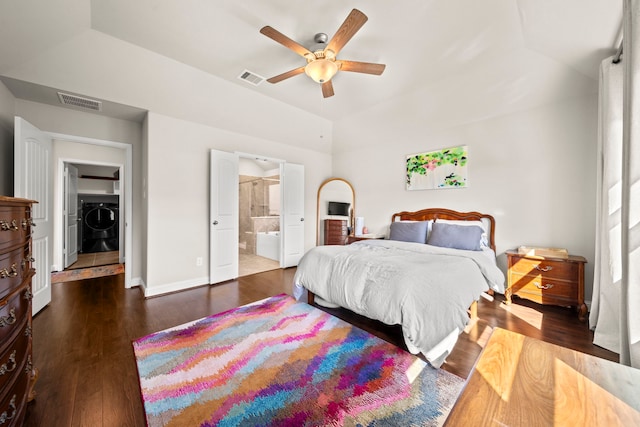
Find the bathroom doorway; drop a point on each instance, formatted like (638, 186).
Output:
(259, 215)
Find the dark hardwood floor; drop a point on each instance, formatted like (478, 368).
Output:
(82, 340)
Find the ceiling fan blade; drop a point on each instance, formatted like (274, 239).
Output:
(349, 27)
(327, 89)
(284, 76)
(361, 67)
(286, 41)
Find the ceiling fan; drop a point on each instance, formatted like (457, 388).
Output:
(322, 64)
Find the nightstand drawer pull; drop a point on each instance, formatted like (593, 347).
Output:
(543, 287)
(544, 269)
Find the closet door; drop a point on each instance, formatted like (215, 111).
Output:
(223, 242)
(32, 180)
(292, 182)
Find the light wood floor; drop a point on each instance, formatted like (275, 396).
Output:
(82, 340)
(251, 264)
(95, 259)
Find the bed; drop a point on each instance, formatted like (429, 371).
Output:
(427, 276)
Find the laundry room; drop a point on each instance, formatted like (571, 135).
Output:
(98, 207)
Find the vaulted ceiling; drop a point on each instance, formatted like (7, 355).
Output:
(515, 52)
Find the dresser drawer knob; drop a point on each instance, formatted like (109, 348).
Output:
(8, 320)
(4, 368)
(27, 260)
(4, 273)
(544, 269)
(28, 222)
(543, 287)
(4, 417)
(6, 225)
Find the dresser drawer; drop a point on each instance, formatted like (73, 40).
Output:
(14, 226)
(12, 408)
(335, 225)
(545, 268)
(13, 356)
(13, 310)
(13, 268)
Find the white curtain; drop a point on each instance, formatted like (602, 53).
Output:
(608, 265)
(616, 300)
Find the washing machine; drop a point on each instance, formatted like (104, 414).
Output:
(99, 227)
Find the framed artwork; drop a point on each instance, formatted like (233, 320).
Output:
(438, 169)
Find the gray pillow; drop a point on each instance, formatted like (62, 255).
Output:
(455, 236)
(409, 231)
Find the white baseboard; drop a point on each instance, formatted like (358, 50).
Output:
(137, 281)
(152, 291)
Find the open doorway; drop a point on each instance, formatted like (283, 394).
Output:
(259, 216)
(93, 235)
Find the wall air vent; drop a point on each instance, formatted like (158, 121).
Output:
(251, 78)
(78, 101)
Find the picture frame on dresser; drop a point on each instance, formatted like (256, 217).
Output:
(17, 371)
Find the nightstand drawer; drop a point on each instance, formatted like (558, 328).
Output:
(542, 289)
(544, 267)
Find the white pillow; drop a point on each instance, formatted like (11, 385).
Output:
(484, 239)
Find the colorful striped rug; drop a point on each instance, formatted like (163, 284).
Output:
(285, 363)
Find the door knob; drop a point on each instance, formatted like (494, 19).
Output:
(215, 222)
(301, 219)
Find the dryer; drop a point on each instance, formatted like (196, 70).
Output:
(100, 227)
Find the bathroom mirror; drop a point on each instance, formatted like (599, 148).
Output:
(340, 192)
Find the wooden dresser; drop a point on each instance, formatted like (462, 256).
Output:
(17, 374)
(335, 231)
(547, 280)
(521, 381)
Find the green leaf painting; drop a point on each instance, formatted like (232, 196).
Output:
(438, 169)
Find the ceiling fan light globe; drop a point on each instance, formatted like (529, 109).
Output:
(321, 70)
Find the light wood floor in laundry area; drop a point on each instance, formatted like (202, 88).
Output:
(94, 259)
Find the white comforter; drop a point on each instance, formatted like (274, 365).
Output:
(426, 289)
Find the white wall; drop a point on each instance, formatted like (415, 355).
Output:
(533, 170)
(7, 108)
(178, 195)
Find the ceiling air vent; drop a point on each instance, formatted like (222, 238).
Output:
(251, 78)
(78, 101)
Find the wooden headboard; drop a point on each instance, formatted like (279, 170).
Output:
(441, 213)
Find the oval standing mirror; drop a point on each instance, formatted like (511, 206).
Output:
(335, 211)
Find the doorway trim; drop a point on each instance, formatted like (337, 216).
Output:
(62, 162)
(126, 176)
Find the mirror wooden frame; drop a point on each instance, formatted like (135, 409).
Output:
(353, 204)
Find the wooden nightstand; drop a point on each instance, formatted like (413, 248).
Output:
(547, 280)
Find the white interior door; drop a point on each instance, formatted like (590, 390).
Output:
(224, 217)
(70, 214)
(292, 183)
(32, 180)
